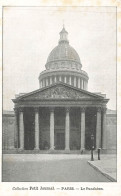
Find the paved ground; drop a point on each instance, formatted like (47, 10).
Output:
(49, 168)
(107, 166)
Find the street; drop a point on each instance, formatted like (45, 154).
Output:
(49, 168)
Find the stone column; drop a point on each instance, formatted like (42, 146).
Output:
(78, 82)
(67, 130)
(60, 79)
(82, 83)
(55, 79)
(51, 128)
(70, 80)
(36, 128)
(50, 80)
(21, 128)
(85, 85)
(46, 81)
(16, 129)
(104, 133)
(75, 81)
(83, 128)
(43, 82)
(98, 128)
(64, 79)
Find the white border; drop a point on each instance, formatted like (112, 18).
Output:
(109, 188)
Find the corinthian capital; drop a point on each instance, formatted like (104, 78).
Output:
(104, 110)
(51, 109)
(99, 109)
(83, 109)
(21, 109)
(36, 109)
(67, 109)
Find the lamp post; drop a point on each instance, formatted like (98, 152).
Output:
(99, 153)
(92, 146)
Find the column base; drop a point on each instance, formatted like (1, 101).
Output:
(37, 149)
(67, 150)
(20, 149)
(52, 148)
(82, 150)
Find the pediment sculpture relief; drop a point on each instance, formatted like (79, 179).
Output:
(58, 93)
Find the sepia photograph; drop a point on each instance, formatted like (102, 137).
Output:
(59, 117)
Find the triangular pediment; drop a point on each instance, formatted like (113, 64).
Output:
(59, 91)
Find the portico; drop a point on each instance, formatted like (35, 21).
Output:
(64, 120)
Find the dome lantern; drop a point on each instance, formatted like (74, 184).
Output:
(63, 36)
(63, 52)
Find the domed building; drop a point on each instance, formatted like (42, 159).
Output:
(62, 115)
(64, 65)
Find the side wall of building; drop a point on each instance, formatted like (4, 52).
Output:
(111, 127)
(8, 127)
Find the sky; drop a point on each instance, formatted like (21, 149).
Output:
(30, 33)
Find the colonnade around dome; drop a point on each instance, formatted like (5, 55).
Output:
(75, 81)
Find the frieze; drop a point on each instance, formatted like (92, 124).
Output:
(58, 93)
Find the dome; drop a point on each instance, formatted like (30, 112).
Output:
(63, 51)
(64, 65)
